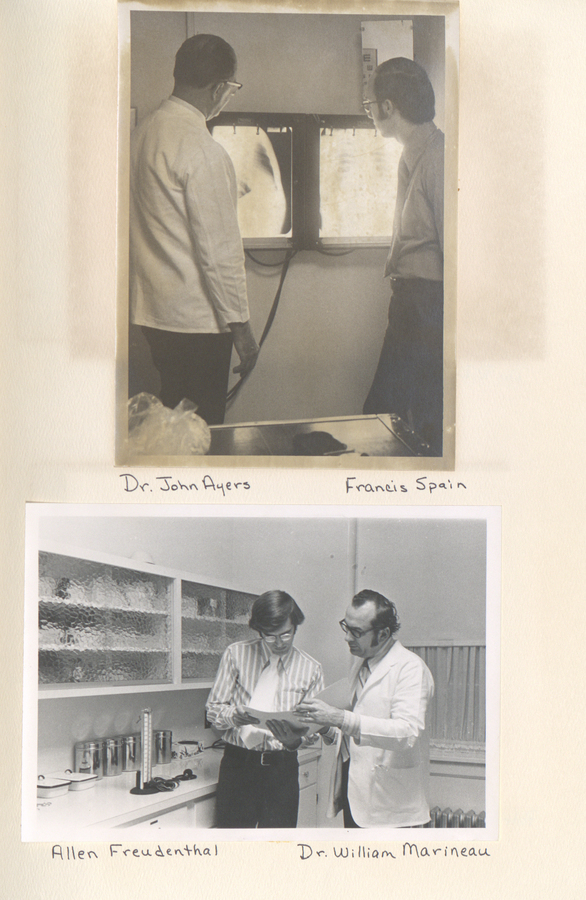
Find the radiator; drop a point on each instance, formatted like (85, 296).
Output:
(446, 818)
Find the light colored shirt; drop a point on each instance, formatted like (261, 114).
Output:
(238, 673)
(417, 249)
(186, 255)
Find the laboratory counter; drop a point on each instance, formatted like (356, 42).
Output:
(110, 805)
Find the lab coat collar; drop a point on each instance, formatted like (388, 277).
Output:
(188, 107)
(381, 666)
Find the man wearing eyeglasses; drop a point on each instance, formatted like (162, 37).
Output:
(258, 784)
(187, 276)
(378, 780)
(409, 377)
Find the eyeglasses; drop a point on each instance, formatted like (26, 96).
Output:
(235, 85)
(356, 633)
(273, 638)
(366, 104)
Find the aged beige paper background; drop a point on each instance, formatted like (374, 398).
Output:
(519, 402)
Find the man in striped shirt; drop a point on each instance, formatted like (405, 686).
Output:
(258, 784)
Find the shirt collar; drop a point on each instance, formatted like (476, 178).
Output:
(190, 107)
(416, 143)
(265, 655)
(374, 660)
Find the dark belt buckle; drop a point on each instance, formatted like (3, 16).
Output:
(266, 753)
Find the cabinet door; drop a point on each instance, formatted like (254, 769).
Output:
(181, 817)
(211, 618)
(307, 817)
(102, 623)
(205, 812)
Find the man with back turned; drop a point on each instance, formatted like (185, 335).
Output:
(187, 276)
(409, 377)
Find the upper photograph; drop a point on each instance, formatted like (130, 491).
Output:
(287, 238)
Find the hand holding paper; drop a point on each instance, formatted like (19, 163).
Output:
(289, 735)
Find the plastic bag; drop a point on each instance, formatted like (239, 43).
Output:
(156, 430)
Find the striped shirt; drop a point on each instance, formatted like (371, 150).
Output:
(239, 670)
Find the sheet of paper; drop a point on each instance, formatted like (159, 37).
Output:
(337, 694)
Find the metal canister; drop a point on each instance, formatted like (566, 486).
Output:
(163, 752)
(130, 752)
(88, 758)
(112, 756)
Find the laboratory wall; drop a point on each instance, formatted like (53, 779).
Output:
(322, 351)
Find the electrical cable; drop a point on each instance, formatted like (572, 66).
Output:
(270, 318)
(341, 253)
(265, 265)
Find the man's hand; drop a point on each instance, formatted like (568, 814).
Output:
(241, 717)
(289, 735)
(320, 712)
(246, 347)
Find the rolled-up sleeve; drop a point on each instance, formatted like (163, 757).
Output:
(220, 704)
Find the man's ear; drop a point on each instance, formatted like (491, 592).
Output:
(387, 108)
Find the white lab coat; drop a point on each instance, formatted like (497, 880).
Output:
(387, 767)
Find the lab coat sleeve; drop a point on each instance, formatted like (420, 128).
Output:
(220, 704)
(209, 187)
(407, 707)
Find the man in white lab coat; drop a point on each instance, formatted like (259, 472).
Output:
(379, 775)
(187, 276)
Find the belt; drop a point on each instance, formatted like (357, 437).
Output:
(260, 757)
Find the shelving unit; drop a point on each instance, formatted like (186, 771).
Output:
(211, 618)
(105, 626)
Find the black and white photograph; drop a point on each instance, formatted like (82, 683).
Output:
(287, 185)
(259, 670)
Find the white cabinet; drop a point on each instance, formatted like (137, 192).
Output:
(180, 817)
(105, 622)
(307, 817)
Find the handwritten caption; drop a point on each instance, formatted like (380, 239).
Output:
(169, 485)
(354, 486)
(306, 851)
(70, 853)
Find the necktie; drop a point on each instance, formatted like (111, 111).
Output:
(363, 674)
(264, 697)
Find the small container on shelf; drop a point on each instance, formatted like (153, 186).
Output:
(130, 752)
(163, 747)
(88, 758)
(112, 757)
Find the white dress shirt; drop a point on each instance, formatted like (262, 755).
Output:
(186, 256)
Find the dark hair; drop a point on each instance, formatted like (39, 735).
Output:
(386, 611)
(204, 59)
(273, 609)
(407, 86)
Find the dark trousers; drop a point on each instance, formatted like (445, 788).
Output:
(257, 790)
(192, 366)
(348, 820)
(409, 378)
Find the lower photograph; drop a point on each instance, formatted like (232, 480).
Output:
(254, 673)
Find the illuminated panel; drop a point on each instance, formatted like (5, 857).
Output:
(262, 160)
(358, 185)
